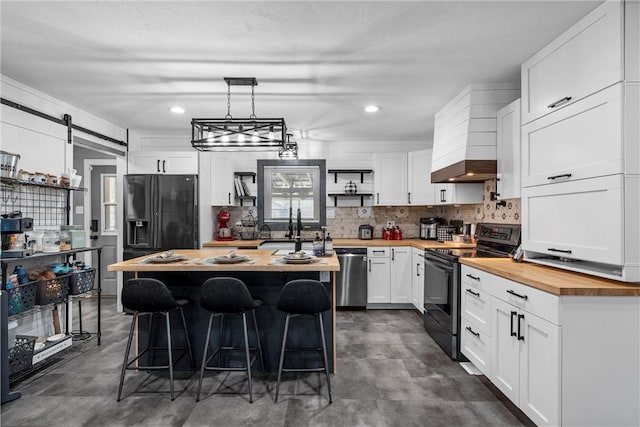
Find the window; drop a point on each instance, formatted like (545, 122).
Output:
(108, 198)
(286, 186)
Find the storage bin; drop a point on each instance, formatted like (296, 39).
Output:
(52, 291)
(21, 354)
(21, 297)
(81, 281)
(446, 233)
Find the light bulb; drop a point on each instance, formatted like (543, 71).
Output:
(210, 136)
(241, 137)
(225, 135)
(255, 138)
(271, 135)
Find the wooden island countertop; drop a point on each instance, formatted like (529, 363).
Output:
(339, 243)
(260, 260)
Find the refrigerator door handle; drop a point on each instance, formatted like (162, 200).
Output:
(158, 165)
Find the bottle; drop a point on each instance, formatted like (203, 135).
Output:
(317, 245)
(328, 245)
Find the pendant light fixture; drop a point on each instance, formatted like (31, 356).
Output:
(289, 151)
(231, 134)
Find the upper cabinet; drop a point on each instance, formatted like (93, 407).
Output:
(421, 190)
(390, 179)
(222, 179)
(583, 60)
(163, 162)
(458, 194)
(508, 151)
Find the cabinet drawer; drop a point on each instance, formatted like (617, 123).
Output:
(531, 300)
(580, 220)
(584, 59)
(476, 345)
(476, 306)
(475, 278)
(379, 252)
(583, 140)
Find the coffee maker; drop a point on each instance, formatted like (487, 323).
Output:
(14, 244)
(429, 228)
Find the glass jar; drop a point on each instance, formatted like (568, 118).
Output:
(51, 241)
(65, 240)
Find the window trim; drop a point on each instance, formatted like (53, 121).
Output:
(103, 204)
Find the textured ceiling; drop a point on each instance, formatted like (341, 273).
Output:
(317, 63)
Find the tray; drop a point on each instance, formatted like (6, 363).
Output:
(306, 260)
(223, 259)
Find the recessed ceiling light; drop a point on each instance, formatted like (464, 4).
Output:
(177, 110)
(372, 108)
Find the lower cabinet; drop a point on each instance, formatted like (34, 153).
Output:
(417, 279)
(401, 280)
(389, 275)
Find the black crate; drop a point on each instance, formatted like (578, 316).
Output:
(21, 355)
(52, 291)
(81, 281)
(22, 297)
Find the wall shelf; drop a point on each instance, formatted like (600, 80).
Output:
(337, 172)
(351, 195)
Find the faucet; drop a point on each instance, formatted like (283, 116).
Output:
(298, 245)
(289, 234)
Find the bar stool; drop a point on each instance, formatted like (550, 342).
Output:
(298, 297)
(222, 296)
(146, 297)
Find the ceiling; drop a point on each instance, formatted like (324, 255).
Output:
(318, 63)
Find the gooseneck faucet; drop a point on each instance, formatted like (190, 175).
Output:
(289, 234)
(298, 245)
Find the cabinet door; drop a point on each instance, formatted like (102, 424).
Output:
(508, 151)
(143, 162)
(378, 274)
(443, 194)
(540, 370)
(475, 344)
(222, 184)
(505, 361)
(417, 286)
(390, 179)
(584, 59)
(476, 306)
(421, 191)
(180, 163)
(449, 194)
(401, 278)
(583, 140)
(577, 220)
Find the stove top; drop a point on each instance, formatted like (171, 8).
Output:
(494, 241)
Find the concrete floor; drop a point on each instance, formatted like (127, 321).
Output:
(389, 373)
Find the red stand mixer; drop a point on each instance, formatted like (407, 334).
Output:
(224, 232)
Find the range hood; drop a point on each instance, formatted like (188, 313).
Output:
(464, 139)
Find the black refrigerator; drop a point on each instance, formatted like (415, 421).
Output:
(160, 213)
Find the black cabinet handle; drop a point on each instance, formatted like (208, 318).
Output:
(418, 269)
(564, 175)
(409, 197)
(564, 251)
(229, 195)
(443, 196)
(473, 277)
(559, 102)
(377, 252)
(473, 293)
(477, 334)
(369, 266)
(513, 315)
(164, 166)
(520, 336)
(393, 254)
(158, 165)
(524, 297)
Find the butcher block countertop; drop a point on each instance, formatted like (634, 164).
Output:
(338, 243)
(260, 260)
(553, 280)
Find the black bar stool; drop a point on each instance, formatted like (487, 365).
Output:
(222, 296)
(304, 296)
(146, 297)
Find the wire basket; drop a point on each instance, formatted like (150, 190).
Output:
(249, 221)
(21, 355)
(81, 281)
(446, 233)
(248, 234)
(265, 232)
(22, 297)
(52, 291)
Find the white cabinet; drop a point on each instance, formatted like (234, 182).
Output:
(508, 151)
(417, 283)
(459, 194)
(420, 188)
(222, 183)
(163, 162)
(401, 278)
(584, 59)
(475, 328)
(390, 179)
(378, 275)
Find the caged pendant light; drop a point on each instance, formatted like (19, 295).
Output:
(230, 134)
(289, 150)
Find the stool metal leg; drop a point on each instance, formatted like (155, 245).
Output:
(169, 352)
(324, 353)
(152, 353)
(255, 326)
(246, 350)
(126, 353)
(221, 339)
(204, 357)
(284, 342)
(186, 334)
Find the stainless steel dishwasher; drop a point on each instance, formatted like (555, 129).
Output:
(351, 284)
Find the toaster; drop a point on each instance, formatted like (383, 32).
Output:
(365, 232)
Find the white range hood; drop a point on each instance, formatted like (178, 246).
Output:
(464, 140)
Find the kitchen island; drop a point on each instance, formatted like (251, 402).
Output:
(264, 274)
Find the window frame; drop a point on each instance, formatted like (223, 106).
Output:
(103, 204)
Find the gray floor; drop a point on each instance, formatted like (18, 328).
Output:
(390, 373)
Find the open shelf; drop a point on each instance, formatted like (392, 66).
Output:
(362, 173)
(351, 195)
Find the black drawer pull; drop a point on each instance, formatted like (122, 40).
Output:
(564, 251)
(473, 293)
(513, 315)
(524, 297)
(477, 334)
(377, 252)
(520, 336)
(564, 175)
(473, 277)
(559, 102)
